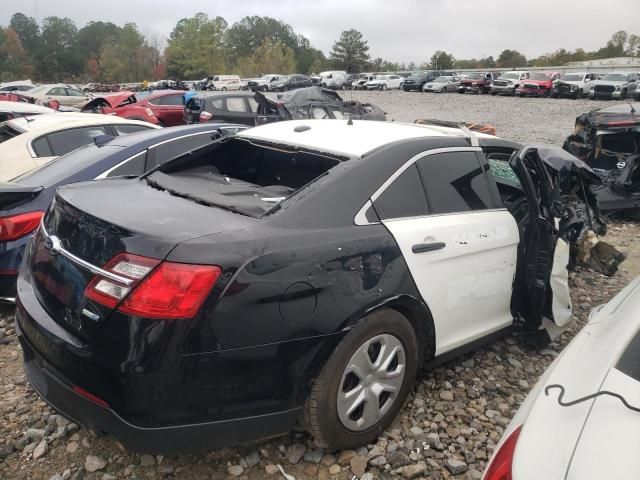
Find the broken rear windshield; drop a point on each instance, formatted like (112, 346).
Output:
(8, 131)
(238, 175)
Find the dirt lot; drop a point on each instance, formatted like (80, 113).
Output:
(459, 409)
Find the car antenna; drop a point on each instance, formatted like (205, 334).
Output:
(350, 121)
(633, 110)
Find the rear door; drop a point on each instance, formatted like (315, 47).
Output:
(459, 245)
(238, 110)
(169, 109)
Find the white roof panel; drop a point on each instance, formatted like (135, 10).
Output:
(338, 137)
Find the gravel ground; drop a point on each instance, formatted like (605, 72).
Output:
(458, 410)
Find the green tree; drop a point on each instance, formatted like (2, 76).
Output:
(268, 58)
(308, 59)
(442, 60)
(28, 31)
(126, 58)
(350, 52)
(92, 39)
(14, 61)
(59, 57)
(511, 59)
(195, 48)
(245, 36)
(634, 45)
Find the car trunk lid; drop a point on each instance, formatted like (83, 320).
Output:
(88, 225)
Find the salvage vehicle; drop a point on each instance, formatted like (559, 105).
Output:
(590, 390)
(477, 82)
(384, 82)
(238, 107)
(614, 85)
(9, 110)
(359, 84)
(262, 84)
(289, 82)
(539, 84)
(313, 265)
(222, 82)
(574, 85)
(508, 82)
(608, 140)
(416, 80)
(61, 93)
(30, 142)
(24, 200)
(315, 103)
(442, 85)
(339, 82)
(163, 107)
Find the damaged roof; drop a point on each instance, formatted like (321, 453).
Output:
(624, 115)
(338, 136)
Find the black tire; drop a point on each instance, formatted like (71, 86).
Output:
(493, 93)
(320, 411)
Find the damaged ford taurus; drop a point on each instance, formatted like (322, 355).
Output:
(301, 270)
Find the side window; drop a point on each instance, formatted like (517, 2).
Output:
(455, 182)
(172, 100)
(133, 166)
(405, 197)
(57, 91)
(74, 93)
(217, 103)
(236, 104)
(166, 151)
(68, 140)
(127, 129)
(319, 112)
(253, 105)
(41, 147)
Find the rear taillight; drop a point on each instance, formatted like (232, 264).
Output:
(90, 396)
(500, 467)
(17, 226)
(153, 289)
(205, 116)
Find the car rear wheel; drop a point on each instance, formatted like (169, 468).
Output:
(365, 382)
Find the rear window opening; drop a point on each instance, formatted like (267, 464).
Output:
(8, 131)
(241, 176)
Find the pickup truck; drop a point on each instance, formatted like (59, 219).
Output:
(508, 82)
(573, 85)
(477, 82)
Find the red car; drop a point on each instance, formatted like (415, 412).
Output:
(477, 82)
(160, 108)
(540, 84)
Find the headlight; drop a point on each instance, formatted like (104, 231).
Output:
(617, 89)
(592, 88)
(573, 87)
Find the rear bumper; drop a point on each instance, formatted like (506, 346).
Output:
(58, 392)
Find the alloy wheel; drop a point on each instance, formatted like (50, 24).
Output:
(371, 382)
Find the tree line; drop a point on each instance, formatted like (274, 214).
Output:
(199, 46)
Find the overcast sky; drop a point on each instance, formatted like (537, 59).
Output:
(397, 30)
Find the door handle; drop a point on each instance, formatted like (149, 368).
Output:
(427, 247)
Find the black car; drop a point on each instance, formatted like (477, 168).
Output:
(290, 82)
(416, 80)
(608, 140)
(24, 200)
(237, 107)
(315, 103)
(298, 270)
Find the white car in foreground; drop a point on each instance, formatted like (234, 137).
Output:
(582, 419)
(29, 142)
(384, 82)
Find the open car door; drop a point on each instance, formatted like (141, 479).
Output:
(532, 301)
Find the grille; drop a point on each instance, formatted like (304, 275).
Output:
(500, 83)
(605, 88)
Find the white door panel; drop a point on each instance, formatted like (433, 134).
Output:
(466, 283)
